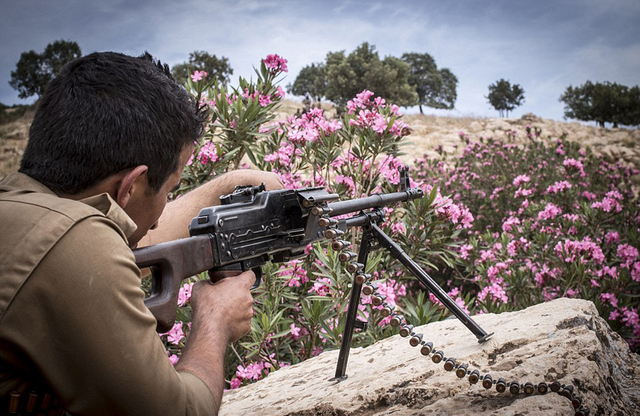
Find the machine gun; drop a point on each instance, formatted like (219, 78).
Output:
(253, 226)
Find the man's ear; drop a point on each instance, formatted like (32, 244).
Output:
(132, 182)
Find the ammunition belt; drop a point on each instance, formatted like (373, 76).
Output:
(474, 376)
(427, 349)
(31, 404)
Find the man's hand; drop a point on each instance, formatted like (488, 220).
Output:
(225, 307)
(222, 314)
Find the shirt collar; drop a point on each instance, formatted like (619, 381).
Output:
(102, 202)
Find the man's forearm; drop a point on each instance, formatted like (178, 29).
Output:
(177, 215)
(205, 360)
(222, 314)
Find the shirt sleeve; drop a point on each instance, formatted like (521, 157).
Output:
(81, 321)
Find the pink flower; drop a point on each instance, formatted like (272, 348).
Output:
(507, 226)
(175, 334)
(608, 205)
(173, 358)
(570, 164)
(208, 153)
(388, 168)
(298, 275)
(198, 75)
(550, 212)
(251, 371)
(280, 92)
(630, 317)
(264, 100)
(635, 271)
(522, 192)
(521, 179)
(585, 250)
(275, 63)
(322, 287)
(185, 294)
(495, 291)
(362, 101)
(379, 124)
(609, 298)
(627, 253)
(295, 331)
(235, 383)
(612, 272)
(558, 187)
(464, 251)
(347, 181)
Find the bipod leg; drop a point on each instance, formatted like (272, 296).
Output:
(399, 254)
(352, 312)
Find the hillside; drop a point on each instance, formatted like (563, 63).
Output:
(13, 139)
(429, 132)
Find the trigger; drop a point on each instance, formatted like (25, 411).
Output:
(258, 272)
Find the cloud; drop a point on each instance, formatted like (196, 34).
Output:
(544, 46)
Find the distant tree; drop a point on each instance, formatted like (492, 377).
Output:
(34, 70)
(505, 97)
(435, 88)
(311, 81)
(217, 68)
(603, 103)
(348, 75)
(391, 81)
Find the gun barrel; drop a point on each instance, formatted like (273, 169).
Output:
(373, 201)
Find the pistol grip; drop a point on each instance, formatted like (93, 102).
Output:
(215, 275)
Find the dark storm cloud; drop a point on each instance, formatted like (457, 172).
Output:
(544, 46)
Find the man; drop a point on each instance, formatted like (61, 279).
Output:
(107, 144)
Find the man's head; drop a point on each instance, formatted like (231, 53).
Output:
(106, 113)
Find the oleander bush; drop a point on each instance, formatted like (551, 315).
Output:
(501, 227)
(550, 220)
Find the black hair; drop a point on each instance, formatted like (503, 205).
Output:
(105, 113)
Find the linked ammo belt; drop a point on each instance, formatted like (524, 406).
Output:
(31, 404)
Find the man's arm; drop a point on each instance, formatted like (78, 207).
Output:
(94, 342)
(177, 215)
(222, 314)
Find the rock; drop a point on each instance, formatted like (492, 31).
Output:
(475, 127)
(530, 118)
(498, 124)
(563, 340)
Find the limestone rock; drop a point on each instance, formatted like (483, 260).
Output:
(563, 340)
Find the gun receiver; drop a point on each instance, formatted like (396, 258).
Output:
(252, 226)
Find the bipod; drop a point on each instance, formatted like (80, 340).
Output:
(372, 237)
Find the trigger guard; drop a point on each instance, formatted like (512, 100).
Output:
(258, 272)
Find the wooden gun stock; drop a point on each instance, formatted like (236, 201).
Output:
(170, 263)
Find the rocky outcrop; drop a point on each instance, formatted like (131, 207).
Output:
(564, 340)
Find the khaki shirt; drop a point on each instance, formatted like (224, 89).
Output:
(72, 313)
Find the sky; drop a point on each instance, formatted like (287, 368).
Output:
(544, 45)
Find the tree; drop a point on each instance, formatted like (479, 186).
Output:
(603, 103)
(311, 81)
(504, 97)
(34, 71)
(348, 75)
(434, 88)
(218, 69)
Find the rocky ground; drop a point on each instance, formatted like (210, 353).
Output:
(563, 340)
